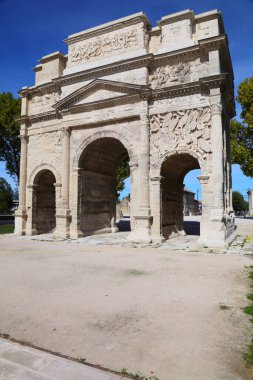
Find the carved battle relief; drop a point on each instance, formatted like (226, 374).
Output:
(112, 43)
(181, 131)
(181, 72)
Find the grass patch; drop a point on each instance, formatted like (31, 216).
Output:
(6, 228)
(136, 376)
(248, 356)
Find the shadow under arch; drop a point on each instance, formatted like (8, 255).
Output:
(97, 196)
(105, 134)
(173, 169)
(44, 202)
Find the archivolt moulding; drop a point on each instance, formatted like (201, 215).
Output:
(166, 155)
(41, 167)
(100, 135)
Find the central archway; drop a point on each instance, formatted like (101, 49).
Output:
(98, 165)
(173, 170)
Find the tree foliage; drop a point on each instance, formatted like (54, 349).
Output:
(239, 203)
(9, 133)
(6, 196)
(123, 172)
(242, 132)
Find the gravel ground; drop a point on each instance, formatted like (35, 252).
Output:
(156, 311)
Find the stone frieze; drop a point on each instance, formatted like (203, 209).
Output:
(113, 42)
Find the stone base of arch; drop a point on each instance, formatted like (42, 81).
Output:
(63, 219)
(141, 231)
(20, 222)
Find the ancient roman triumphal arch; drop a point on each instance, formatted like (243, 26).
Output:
(161, 97)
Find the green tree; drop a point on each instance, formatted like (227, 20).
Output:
(6, 196)
(123, 172)
(242, 132)
(9, 133)
(239, 203)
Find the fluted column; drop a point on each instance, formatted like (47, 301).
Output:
(144, 199)
(20, 214)
(63, 216)
(217, 160)
(217, 224)
(23, 172)
(141, 227)
(66, 166)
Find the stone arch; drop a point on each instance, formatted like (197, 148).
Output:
(97, 159)
(102, 134)
(40, 168)
(162, 158)
(43, 200)
(172, 168)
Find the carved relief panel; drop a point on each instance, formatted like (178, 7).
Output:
(181, 131)
(181, 72)
(112, 43)
(43, 102)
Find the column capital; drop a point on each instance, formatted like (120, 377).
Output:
(24, 139)
(66, 131)
(216, 109)
(203, 179)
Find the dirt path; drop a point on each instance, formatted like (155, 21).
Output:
(146, 310)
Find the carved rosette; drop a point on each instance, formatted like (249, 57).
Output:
(181, 131)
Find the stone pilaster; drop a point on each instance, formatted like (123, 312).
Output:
(155, 197)
(141, 231)
(20, 214)
(217, 161)
(63, 215)
(204, 224)
(76, 189)
(217, 233)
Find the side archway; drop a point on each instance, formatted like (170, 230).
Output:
(44, 202)
(173, 169)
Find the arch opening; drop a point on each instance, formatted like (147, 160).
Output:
(44, 202)
(98, 196)
(173, 197)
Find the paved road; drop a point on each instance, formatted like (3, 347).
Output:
(19, 362)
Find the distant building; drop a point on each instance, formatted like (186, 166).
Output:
(250, 194)
(191, 205)
(123, 208)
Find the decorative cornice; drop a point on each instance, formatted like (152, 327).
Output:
(108, 27)
(177, 90)
(44, 116)
(23, 119)
(131, 94)
(214, 81)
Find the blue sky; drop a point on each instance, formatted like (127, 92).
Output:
(30, 29)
